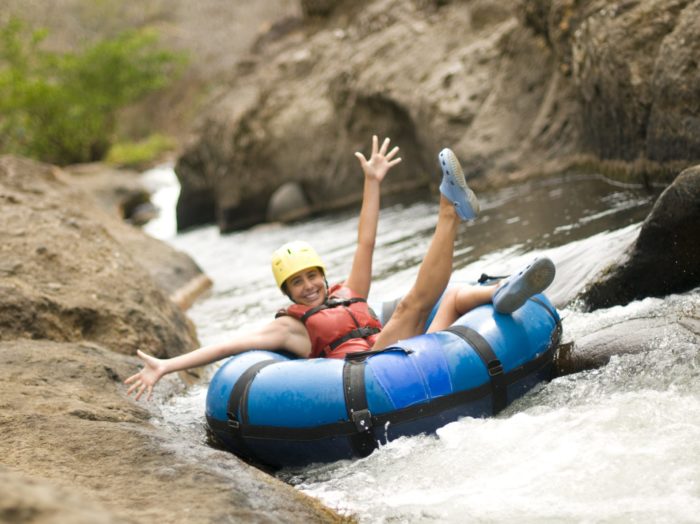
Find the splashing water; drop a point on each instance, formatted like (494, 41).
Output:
(615, 444)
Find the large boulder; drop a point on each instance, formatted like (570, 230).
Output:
(63, 269)
(634, 69)
(78, 451)
(426, 75)
(120, 192)
(665, 258)
(515, 89)
(653, 324)
(75, 304)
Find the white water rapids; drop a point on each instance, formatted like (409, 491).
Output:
(616, 444)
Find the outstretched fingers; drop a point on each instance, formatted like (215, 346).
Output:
(362, 159)
(385, 146)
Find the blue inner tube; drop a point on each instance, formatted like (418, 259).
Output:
(280, 411)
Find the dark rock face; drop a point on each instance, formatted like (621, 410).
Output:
(634, 69)
(665, 258)
(514, 89)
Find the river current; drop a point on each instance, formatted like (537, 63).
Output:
(616, 444)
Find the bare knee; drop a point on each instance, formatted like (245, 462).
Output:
(414, 306)
(468, 297)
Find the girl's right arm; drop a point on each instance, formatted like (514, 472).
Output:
(282, 333)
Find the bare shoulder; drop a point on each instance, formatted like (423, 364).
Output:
(293, 335)
(289, 324)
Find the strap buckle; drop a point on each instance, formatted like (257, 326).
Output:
(495, 368)
(362, 419)
(232, 421)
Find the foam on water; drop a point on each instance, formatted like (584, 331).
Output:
(616, 444)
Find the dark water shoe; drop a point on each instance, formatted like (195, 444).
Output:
(530, 280)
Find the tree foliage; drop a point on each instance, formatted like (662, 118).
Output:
(61, 107)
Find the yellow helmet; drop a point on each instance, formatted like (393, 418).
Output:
(292, 258)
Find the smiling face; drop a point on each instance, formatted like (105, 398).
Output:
(307, 287)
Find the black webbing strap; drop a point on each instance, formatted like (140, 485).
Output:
(490, 360)
(361, 332)
(434, 407)
(331, 302)
(556, 334)
(362, 439)
(484, 278)
(237, 408)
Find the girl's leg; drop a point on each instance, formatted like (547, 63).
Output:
(457, 202)
(457, 301)
(412, 312)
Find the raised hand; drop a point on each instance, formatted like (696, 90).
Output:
(380, 161)
(144, 380)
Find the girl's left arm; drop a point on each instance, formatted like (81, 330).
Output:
(374, 169)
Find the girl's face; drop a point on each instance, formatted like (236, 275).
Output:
(307, 287)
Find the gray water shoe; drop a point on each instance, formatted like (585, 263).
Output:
(454, 186)
(530, 280)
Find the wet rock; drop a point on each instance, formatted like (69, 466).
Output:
(652, 325)
(665, 258)
(288, 203)
(78, 451)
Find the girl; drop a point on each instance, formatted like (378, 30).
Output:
(332, 322)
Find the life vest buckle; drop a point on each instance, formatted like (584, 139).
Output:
(362, 419)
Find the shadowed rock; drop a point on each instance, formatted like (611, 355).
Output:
(665, 258)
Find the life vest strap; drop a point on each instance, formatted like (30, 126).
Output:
(330, 303)
(361, 332)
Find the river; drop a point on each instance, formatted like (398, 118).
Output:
(616, 444)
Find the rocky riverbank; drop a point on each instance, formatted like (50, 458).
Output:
(517, 89)
(80, 291)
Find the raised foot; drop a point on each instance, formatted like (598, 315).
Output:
(530, 280)
(454, 186)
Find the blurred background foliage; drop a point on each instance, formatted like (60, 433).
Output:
(61, 107)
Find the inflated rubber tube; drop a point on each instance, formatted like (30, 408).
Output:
(280, 411)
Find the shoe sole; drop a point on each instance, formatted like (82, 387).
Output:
(452, 169)
(534, 279)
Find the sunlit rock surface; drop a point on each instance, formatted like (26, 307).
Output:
(76, 301)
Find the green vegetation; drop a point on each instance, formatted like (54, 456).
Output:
(61, 108)
(140, 154)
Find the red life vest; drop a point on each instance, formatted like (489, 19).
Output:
(343, 324)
